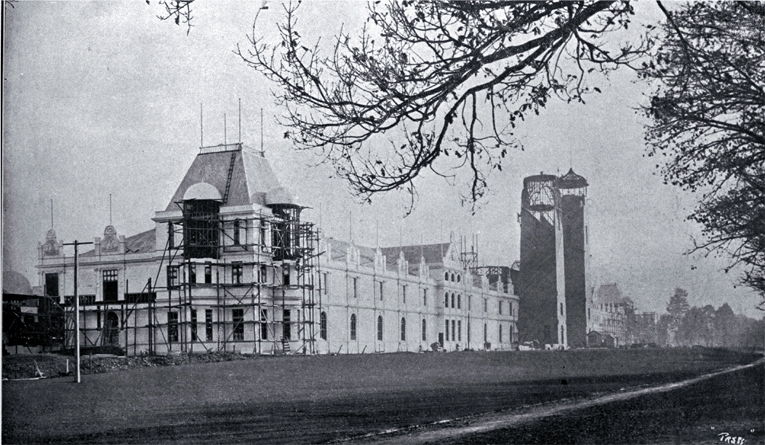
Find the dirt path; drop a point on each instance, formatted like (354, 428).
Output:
(455, 429)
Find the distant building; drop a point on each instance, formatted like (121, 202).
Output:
(552, 274)
(231, 265)
(611, 314)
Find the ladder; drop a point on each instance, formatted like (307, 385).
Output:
(285, 346)
(230, 173)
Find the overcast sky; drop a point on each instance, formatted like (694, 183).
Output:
(103, 98)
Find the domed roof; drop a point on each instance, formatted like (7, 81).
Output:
(571, 180)
(15, 283)
(202, 191)
(280, 195)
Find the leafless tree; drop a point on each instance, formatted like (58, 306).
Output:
(708, 123)
(438, 79)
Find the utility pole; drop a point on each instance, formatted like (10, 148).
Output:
(76, 309)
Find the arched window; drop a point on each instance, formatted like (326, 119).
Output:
(379, 328)
(459, 278)
(323, 325)
(453, 300)
(485, 333)
(459, 301)
(452, 276)
(500, 333)
(446, 299)
(446, 276)
(424, 330)
(403, 329)
(353, 326)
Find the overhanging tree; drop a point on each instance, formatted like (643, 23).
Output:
(440, 78)
(708, 123)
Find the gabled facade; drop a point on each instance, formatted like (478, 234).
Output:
(230, 265)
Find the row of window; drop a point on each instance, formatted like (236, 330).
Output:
(237, 272)
(237, 316)
(452, 328)
(236, 233)
(450, 276)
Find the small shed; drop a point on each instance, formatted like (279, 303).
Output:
(594, 339)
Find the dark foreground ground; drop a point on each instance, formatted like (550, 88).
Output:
(329, 398)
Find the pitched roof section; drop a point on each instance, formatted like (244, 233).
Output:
(141, 243)
(609, 294)
(251, 177)
(433, 253)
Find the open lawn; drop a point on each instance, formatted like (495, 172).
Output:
(323, 398)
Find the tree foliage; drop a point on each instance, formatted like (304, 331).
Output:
(440, 78)
(708, 121)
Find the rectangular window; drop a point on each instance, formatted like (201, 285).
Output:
(192, 273)
(561, 308)
(403, 292)
(453, 306)
(237, 226)
(424, 330)
(264, 324)
(51, 284)
(470, 302)
(194, 325)
(286, 275)
(454, 331)
(459, 301)
(286, 331)
(500, 308)
(325, 282)
(110, 285)
(424, 297)
(589, 315)
(170, 235)
(172, 276)
(500, 333)
(459, 330)
(381, 289)
(236, 273)
(354, 283)
(485, 305)
(446, 333)
(263, 238)
(172, 327)
(208, 273)
(208, 325)
(237, 315)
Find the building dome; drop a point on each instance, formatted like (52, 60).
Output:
(15, 283)
(202, 191)
(571, 180)
(280, 196)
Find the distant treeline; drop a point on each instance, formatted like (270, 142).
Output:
(685, 325)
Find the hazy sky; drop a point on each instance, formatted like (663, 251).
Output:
(103, 98)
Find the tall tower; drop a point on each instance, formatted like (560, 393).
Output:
(541, 312)
(573, 192)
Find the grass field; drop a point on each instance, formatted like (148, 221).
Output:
(323, 398)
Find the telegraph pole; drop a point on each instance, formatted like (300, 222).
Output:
(76, 310)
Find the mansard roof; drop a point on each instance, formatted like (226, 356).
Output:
(251, 177)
